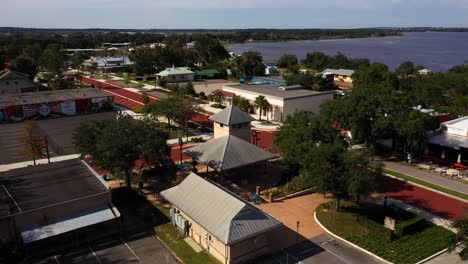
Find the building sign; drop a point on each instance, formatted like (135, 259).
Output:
(389, 223)
(68, 107)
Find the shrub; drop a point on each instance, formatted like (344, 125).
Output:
(410, 226)
(220, 106)
(162, 83)
(197, 139)
(298, 183)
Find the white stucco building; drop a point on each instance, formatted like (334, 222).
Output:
(285, 100)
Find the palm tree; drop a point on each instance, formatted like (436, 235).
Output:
(262, 104)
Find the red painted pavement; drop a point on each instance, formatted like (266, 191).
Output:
(430, 201)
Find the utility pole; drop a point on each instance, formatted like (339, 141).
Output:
(46, 146)
(181, 144)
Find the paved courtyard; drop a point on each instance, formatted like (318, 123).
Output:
(297, 209)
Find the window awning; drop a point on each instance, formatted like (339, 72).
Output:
(68, 223)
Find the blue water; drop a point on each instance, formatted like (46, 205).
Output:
(434, 50)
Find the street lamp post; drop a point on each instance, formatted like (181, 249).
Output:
(181, 144)
(186, 130)
(297, 231)
(255, 136)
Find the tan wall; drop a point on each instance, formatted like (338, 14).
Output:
(310, 104)
(243, 133)
(236, 253)
(249, 248)
(215, 248)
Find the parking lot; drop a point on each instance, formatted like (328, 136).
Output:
(142, 248)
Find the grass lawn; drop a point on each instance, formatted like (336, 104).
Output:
(427, 184)
(175, 132)
(156, 217)
(364, 227)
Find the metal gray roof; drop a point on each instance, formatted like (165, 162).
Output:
(223, 214)
(344, 72)
(231, 115)
(228, 152)
(50, 96)
(270, 90)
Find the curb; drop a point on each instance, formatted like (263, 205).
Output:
(425, 187)
(347, 242)
(433, 256)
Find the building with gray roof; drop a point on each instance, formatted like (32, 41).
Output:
(232, 121)
(224, 224)
(42, 202)
(228, 152)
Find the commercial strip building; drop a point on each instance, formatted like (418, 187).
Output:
(342, 77)
(12, 82)
(176, 74)
(108, 64)
(228, 227)
(46, 205)
(285, 100)
(451, 140)
(48, 104)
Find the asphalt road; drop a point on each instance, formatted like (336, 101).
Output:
(323, 249)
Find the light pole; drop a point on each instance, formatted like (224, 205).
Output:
(186, 130)
(254, 137)
(181, 144)
(297, 231)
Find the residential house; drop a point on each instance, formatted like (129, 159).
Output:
(17, 82)
(342, 77)
(176, 74)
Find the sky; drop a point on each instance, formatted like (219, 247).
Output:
(222, 14)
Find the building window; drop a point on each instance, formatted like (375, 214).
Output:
(221, 125)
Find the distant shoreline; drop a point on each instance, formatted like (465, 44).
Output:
(229, 44)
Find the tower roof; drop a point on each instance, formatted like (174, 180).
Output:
(231, 115)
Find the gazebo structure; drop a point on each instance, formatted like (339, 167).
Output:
(230, 149)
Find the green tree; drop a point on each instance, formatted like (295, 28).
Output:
(31, 141)
(317, 60)
(145, 99)
(117, 145)
(188, 89)
(53, 59)
(209, 50)
(242, 103)
(287, 61)
(460, 240)
(262, 104)
(145, 60)
(307, 80)
(77, 60)
(25, 64)
(250, 64)
(405, 69)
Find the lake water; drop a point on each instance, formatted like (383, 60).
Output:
(434, 50)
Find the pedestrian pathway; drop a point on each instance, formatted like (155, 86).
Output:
(437, 220)
(12, 166)
(428, 177)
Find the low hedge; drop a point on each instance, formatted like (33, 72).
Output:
(410, 226)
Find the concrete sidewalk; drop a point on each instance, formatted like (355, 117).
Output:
(428, 177)
(18, 165)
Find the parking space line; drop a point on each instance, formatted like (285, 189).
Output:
(131, 250)
(94, 253)
(11, 198)
(337, 256)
